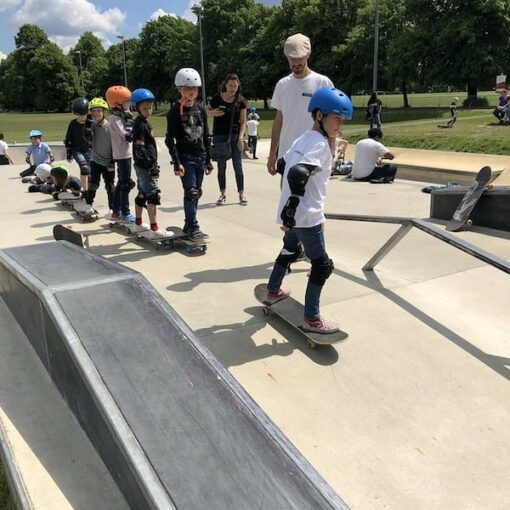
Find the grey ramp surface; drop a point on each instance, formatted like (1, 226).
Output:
(204, 445)
(209, 444)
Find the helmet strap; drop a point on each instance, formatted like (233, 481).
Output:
(321, 126)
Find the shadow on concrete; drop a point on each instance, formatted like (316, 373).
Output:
(233, 344)
(499, 364)
(209, 205)
(229, 275)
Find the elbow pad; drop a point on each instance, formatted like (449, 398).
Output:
(298, 177)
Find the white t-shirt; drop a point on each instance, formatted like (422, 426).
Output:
(367, 153)
(251, 127)
(3, 148)
(311, 148)
(291, 96)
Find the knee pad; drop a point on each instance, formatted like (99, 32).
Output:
(192, 194)
(154, 199)
(322, 268)
(141, 200)
(85, 169)
(286, 257)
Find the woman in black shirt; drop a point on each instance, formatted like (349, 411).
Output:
(223, 105)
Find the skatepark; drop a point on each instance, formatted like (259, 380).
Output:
(410, 412)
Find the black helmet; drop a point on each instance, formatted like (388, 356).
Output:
(80, 106)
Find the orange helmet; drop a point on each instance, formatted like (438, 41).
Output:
(117, 94)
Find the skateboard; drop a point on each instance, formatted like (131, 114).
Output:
(79, 210)
(461, 215)
(291, 311)
(67, 198)
(61, 233)
(177, 236)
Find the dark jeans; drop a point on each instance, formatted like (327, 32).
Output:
(252, 143)
(312, 239)
(237, 161)
(381, 171)
(28, 171)
(3, 160)
(96, 172)
(194, 167)
(123, 187)
(499, 114)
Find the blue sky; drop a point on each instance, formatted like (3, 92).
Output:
(65, 20)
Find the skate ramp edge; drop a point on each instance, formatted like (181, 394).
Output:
(173, 427)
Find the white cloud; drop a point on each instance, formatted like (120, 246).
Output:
(160, 12)
(65, 20)
(7, 4)
(2, 55)
(188, 14)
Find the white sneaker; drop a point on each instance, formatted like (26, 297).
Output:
(135, 229)
(88, 209)
(160, 234)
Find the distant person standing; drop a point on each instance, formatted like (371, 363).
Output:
(374, 108)
(453, 114)
(291, 97)
(252, 128)
(5, 159)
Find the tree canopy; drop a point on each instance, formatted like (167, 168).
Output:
(422, 45)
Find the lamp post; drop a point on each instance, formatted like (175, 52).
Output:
(81, 73)
(376, 47)
(121, 37)
(197, 9)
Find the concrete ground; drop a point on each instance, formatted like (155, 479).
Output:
(411, 412)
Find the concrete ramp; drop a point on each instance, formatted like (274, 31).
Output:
(171, 424)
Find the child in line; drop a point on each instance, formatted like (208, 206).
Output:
(101, 159)
(187, 139)
(37, 153)
(145, 155)
(252, 128)
(76, 142)
(5, 158)
(301, 206)
(121, 122)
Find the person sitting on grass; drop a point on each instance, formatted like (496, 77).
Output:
(367, 160)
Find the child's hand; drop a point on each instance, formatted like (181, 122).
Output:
(208, 168)
(27, 160)
(180, 171)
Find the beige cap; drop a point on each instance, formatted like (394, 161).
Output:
(297, 46)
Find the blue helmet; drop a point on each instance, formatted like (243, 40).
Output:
(330, 100)
(139, 95)
(34, 132)
(253, 109)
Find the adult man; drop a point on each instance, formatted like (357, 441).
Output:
(367, 157)
(291, 97)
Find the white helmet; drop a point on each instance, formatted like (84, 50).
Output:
(187, 77)
(43, 171)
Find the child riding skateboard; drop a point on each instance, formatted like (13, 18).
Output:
(301, 207)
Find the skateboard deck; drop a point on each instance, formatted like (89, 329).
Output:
(475, 190)
(61, 233)
(177, 236)
(68, 198)
(291, 311)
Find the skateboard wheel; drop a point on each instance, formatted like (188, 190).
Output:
(311, 345)
(469, 223)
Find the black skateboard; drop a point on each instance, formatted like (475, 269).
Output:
(69, 199)
(61, 233)
(291, 311)
(177, 236)
(461, 215)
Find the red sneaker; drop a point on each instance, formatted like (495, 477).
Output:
(319, 325)
(274, 297)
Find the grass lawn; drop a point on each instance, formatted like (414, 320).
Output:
(475, 131)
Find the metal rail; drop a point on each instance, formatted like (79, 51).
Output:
(406, 225)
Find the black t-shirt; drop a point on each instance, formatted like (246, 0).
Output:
(221, 125)
(74, 139)
(142, 131)
(187, 131)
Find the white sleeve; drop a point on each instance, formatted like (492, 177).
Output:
(275, 100)
(382, 150)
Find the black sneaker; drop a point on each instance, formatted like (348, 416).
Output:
(196, 235)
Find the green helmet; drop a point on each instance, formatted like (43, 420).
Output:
(98, 102)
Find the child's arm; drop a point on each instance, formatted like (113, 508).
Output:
(207, 143)
(28, 153)
(68, 142)
(171, 134)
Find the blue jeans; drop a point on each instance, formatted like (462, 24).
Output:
(123, 187)
(194, 166)
(237, 161)
(312, 239)
(83, 160)
(146, 183)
